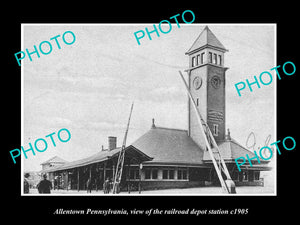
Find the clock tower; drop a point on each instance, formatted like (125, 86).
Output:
(206, 79)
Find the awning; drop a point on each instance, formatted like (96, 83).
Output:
(100, 157)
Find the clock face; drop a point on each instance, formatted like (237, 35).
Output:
(197, 82)
(215, 81)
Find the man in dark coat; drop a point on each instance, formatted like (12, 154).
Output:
(26, 183)
(89, 186)
(44, 186)
(106, 187)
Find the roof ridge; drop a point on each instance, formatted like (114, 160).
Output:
(167, 128)
(59, 158)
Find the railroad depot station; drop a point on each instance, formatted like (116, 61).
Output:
(166, 157)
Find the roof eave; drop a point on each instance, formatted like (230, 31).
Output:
(189, 52)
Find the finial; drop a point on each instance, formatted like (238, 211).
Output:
(228, 134)
(153, 124)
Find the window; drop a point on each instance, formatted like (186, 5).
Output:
(179, 174)
(168, 174)
(193, 61)
(220, 60)
(165, 174)
(134, 174)
(235, 175)
(210, 57)
(245, 175)
(182, 174)
(154, 174)
(202, 57)
(256, 175)
(148, 174)
(215, 129)
(131, 175)
(215, 58)
(197, 101)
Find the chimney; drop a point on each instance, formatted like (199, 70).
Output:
(112, 143)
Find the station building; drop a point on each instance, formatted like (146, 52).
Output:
(174, 158)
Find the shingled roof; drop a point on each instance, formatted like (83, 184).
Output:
(172, 146)
(206, 39)
(98, 157)
(230, 150)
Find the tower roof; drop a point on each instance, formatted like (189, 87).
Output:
(206, 39)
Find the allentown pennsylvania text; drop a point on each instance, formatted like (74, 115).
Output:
(151, 211)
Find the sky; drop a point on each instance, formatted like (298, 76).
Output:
(88, 87)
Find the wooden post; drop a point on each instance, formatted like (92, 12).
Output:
(129, 176)
(140, 177)
(78, 179)
(113, 170)
(104, 171)
(96, 175)
(90, 175)
(90, 171)
(67, 179)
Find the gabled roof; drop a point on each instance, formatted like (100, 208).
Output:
(171, 146)
(54, 159)
(230, 150)
(206, 39)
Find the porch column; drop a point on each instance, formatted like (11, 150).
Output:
(104, 171)
(66, 179)
(78, 179)
(90, 175)
(128, 176)
(113, 170)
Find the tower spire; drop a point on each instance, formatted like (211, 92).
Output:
(206, 39)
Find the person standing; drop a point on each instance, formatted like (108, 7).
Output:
(106, 186)
(26, 183)
(89, 186)
(44, 186)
